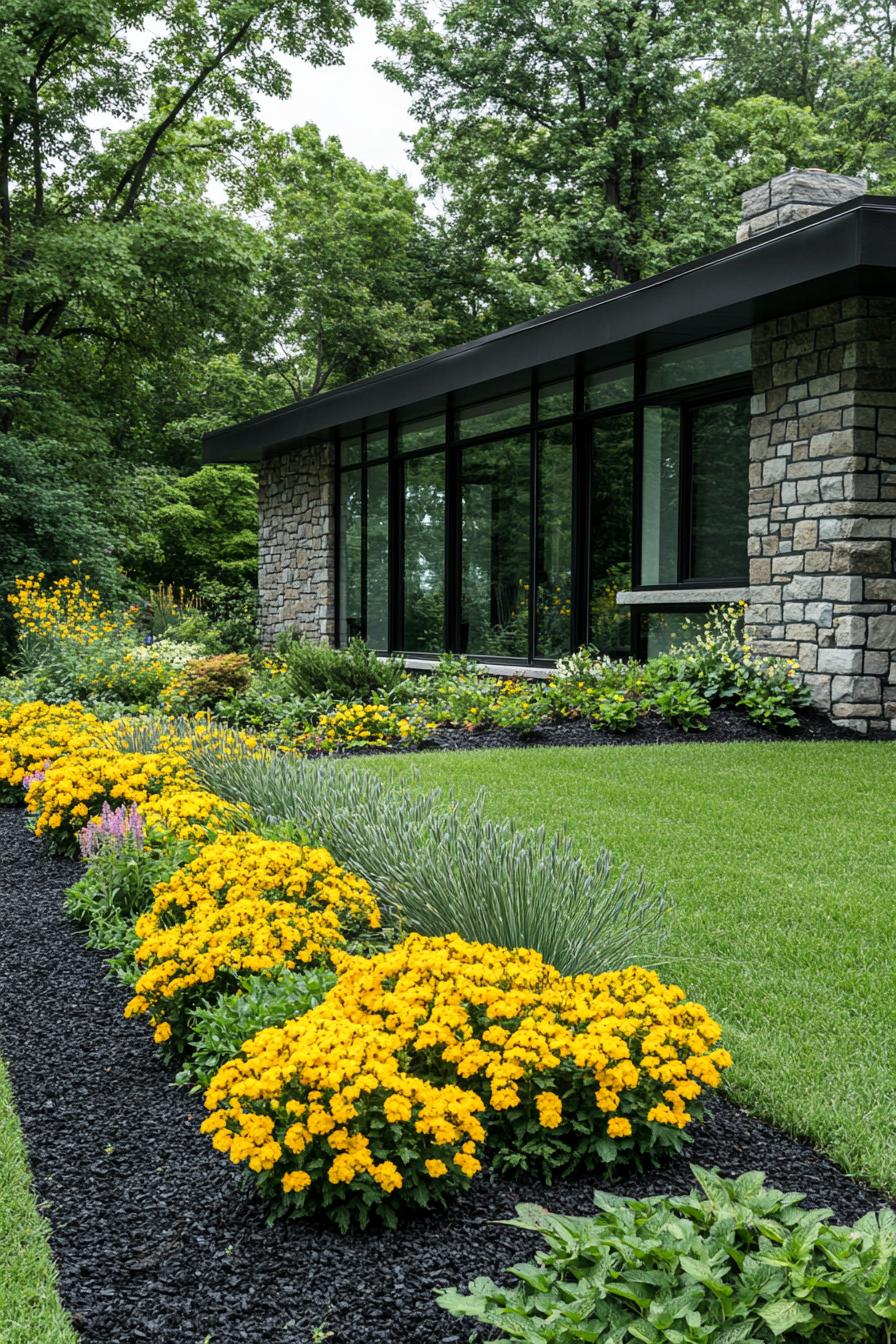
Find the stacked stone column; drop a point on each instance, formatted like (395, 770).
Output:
(297, 545)
(823, 504)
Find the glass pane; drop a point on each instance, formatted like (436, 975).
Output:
(720, 460)
(350, 451)
(488, 417)
(659, 510)
(424, 553)
(350, 536)
(612, 455)
(427, 432)
(553, 569)
(377, 443)
(663, 629)
(609, 387)
(696, 363)
(495, 548)
(555, 399)
(378, 556)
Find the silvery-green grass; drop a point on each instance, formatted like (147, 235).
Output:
(440, 866)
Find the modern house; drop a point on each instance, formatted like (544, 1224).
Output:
(723, 431)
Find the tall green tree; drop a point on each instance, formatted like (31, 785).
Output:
(345, 285)
(91, 221)
(582, 144)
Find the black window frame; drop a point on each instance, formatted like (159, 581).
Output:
(580, 422)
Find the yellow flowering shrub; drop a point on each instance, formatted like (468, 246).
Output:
(192, 813)
(328, 1118)
(233, 867)
(558, 1072)
(187, 963)
(33, 735)
(365, 726)
(74, 787)
(573, 1069)
(68, 609)
(242, 905)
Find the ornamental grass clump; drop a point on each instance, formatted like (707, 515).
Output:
(244, 905)
(424, 1058)
(443, 867)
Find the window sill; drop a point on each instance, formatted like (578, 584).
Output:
(676, 597)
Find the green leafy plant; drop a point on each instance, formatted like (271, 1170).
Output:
(617, 713)
(681, 704)
(354, 673)
(735, 1262)
(221, 1027)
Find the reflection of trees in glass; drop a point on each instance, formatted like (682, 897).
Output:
(720, 452)
(350, 539)
(553, 572)
(377, 633)
(424, 553)
(659, 509)
(611, 531)
(495, 548)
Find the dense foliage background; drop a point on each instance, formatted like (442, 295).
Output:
(169, 264)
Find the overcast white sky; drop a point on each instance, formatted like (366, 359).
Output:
(352, 101)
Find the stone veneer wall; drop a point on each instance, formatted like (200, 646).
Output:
(297, 545)
(823, 504)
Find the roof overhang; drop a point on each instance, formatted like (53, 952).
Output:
(848, 250)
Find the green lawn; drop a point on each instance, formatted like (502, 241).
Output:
(780, 859)
(30, 1311)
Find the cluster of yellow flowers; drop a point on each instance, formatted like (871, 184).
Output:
(191, 814)
(67, 609)
(34, 734)
(73, 788)
(361, 726)
(603, 1064)
(242, 905)
(321, 1108)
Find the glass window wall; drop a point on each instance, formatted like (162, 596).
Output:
(423, 561)
(351, 536)
(698, 363)
(377, 538)
(612, 457)
(553, 564)
(660, 495)
(490, 417)
(609, 387)
(495, 560)
(720, 459)
(515, 540)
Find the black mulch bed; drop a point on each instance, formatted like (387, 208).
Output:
(153, 1234)
(723, 725)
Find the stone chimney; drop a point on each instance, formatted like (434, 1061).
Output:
(793, 196)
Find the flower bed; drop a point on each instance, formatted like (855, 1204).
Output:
(425, 1057)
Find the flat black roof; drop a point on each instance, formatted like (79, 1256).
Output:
(848, 250)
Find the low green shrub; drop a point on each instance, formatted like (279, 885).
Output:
(682, 705)
(739, 1263)
(443, 868)
(354, 673)
(220, 1028)
(206, 681)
